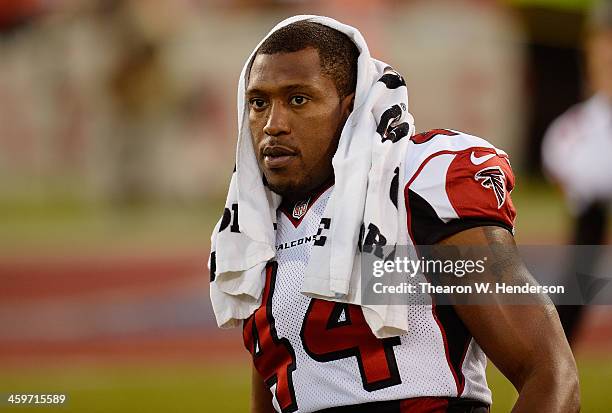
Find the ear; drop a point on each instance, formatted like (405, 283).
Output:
(346, 104)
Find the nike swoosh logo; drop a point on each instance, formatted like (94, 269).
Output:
(480, 159)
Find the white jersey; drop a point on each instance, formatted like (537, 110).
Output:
(317, 354)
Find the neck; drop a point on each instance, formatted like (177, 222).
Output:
(294, 198)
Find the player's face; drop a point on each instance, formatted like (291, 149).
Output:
(295, 116)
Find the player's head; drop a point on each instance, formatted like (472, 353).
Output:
(599, 47)
(300, 92)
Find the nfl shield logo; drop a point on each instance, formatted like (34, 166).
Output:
(300, 209)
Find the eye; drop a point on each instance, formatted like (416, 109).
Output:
(257, 103)
(298, 100)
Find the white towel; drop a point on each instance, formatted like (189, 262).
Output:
(365, 195)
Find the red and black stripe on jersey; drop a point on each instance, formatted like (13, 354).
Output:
(416, 405)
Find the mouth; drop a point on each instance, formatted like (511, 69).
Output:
(276, 157)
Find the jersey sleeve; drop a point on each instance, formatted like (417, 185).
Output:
(454, 190)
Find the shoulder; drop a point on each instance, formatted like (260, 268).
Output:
(446, 152)
(450, 175)
(447, 145)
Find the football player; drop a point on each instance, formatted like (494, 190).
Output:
(316, 355)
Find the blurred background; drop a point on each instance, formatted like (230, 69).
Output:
(117, 134)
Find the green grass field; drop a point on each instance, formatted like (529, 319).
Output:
(217, 388)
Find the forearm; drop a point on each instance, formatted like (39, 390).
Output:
(547, 379)
(550, 390)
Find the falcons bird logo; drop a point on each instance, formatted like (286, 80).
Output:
(493, 177)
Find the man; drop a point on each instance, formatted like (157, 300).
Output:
(304, 92)
(575, 154)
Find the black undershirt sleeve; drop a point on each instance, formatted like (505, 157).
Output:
(427, 228)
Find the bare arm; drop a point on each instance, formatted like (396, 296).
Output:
(526, 342)
(261, 398)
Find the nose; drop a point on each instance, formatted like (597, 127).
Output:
(278, 121)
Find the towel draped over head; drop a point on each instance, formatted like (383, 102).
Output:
(367, 168)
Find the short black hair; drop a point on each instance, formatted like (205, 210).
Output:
(337, 52)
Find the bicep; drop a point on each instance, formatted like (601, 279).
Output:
(517, 338)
